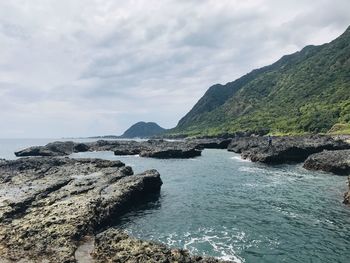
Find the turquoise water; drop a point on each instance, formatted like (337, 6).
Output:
(221, 206)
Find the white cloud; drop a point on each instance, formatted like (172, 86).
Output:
(92, 67)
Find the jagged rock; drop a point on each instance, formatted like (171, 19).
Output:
(150, 148)
(164, 153)
(51, 149)
(47, 204)
(337, 162)
(284, 149)
(116, 246)
(210, 143)
(81, 147)
(241, 144)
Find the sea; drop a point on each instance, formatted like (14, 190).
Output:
(222, 206)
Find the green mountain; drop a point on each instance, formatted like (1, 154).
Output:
(305, 92)
(143, 130)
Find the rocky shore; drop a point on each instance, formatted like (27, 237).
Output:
(50, 205)
(150, 148)
(116, 246)
(284, 149)
(337, 162)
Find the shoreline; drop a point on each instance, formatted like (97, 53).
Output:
(46, 167)
(50, 204)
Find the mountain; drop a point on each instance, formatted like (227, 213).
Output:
(305, 92)
(143, 130)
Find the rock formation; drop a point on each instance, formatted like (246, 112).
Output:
(150, 148)
(51, 206)
(48, 204)
(284, 149)
(337, 162)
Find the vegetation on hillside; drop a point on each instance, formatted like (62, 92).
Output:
(306, 92)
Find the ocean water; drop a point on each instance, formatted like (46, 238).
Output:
(219, 205)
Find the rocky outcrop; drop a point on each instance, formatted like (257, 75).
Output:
(337, 162)
(284, 149)
(150, 148)
(116, 246)
(51, 209)
(47, 204)
(51, 149)
(168, 153)
(210, 143)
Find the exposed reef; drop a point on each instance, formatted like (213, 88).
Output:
(337, 162)
(284, 149)
(150, 148)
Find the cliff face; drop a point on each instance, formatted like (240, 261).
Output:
(143, 130)
(308, 91)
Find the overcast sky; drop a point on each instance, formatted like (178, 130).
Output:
(94, 67)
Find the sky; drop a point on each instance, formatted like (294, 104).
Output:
(73, 68)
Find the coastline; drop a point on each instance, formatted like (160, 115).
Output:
(99, 252)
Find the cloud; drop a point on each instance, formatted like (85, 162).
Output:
(93, 67)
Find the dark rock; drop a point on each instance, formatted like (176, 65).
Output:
(241, 144)
(51, 149)
(284, 149)
(211, 143)
(163, 153)
(337, 162)
(81, 147)
(47, 204)
(127, 152)
(150, 148)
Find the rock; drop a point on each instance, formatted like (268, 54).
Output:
(47, 204)
(51, 149)
(284, 149)
(241, 144)
(167, 153)
(81, 147)
(150, 148)
(211, 143)
(337, 162)
(116, 246)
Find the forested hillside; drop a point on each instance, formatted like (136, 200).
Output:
(305, 92)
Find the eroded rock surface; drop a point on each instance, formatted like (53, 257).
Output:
(284, 149)
(47, 204)
(337, 162)
(116, 246)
